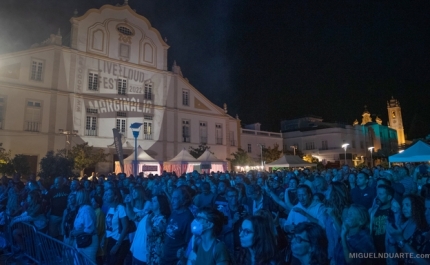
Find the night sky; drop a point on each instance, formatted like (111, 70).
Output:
(271, 60)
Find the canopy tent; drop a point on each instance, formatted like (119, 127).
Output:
(182, 163)
(290, 161)
(209, 162)
(418, 152)
(146, 163)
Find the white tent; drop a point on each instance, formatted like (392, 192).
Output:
(146, 163)
(418, 152)
(209, 162)
(182, 163)
(290, 161)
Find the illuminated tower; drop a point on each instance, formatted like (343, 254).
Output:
(395, 119)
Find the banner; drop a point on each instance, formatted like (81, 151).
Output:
(118, 146)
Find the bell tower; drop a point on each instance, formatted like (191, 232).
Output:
(395, 119)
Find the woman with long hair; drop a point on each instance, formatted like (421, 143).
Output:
(68, 220)
(338, 200)
(117, 243)
(242, 193)
(258, 242)
(309, 245)
(136, 206)
(86, 223)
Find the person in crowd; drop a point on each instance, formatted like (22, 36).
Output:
(16, 194)
(96, 203)
(74, 186)
(410, 235)
(306, 210)
(273, 221)
(258, 242)
(380, 214)
(276, 185)
(178, 231)
(242, 192)
(407, 181)
(336, 207)
(258, 200)
(319, 198)
(156, 228)
(352, 181)
(68, 220)
(206, 198)
(319, 185)
(399, 189)
(58, 200)
(363, 194)
(355, 237)
(117, 243)
(86, 223)
(221, 201)
(208, 249)
(425, 190)
(309, 245)
(137, 206)
(34, 213)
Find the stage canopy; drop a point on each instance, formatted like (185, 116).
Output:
(182, 163)
(418, 152)
(209, 162)
(146, 164)
(290, 161)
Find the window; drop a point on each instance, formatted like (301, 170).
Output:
(353, 144)
(93, 81)
(147, 117)
(249, 148)
(2, 110)
(232, 142)
(148, 91)
(147, 130)
(121, 123)
(310, 146)
(125, 30)
(361, 145)
(324, 145)
(203, 133)
(124, 51)
(36, 70)
(186, 131)
(218, 133)
(33, 116)
(122, 86)
(185, 97)
(91, 122)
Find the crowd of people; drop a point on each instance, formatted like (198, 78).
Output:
(332, 216)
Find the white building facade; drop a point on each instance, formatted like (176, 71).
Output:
(113, 74)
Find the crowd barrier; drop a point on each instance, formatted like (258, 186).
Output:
(42, 249)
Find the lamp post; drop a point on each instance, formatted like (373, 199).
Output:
(294, 148)
(371, 157)
(67, 134)
(344, 146)
(261, 155)
(135, 127)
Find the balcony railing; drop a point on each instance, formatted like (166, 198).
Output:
(90, 132)
(32, 126)
(218, 140)
(147, 136)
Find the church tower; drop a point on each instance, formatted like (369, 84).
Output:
(395, 119)
(366, 117)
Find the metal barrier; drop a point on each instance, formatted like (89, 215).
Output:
(45, 250)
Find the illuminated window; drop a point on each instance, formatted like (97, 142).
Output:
(393, 114)
(93, 81)
(91, 122)
(186, 131)
(33, 115)
(36, 70)
(147, 130)
(218, 133)
(121, 125)
(148, 91)
(185, 97)
(122, 86)
(203, 133)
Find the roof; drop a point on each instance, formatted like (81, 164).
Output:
(418, 152)
(141, 156)
(290, 161)
(209, 157)
(184, 157)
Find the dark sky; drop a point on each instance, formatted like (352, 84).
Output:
(275, 59)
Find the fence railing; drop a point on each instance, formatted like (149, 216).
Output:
(43, 249)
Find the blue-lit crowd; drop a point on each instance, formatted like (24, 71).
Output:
(302, 216)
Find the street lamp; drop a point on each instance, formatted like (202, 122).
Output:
(344, 146)
(294, 147)
(135, 127)
(371, 157)
(67, 134)
(261, 154)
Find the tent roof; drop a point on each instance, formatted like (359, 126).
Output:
(141, 156)
(418, 152)
(184, 156)
(290, 161)
(209, 157)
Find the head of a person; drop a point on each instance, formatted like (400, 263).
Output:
(83, 198)
(388, 174)
(74, 185)
(232, 196)
(181, 198)
(222, 187)
(161, 203)
(256, 234)
(71, 201)
(383, 181)
(112, 196)
(266, 214)
(293, 183)
(304, 194)
(362, 179)
(255, 192)
(208, 220)
(310, 240)
(206, 187)
(352, 178)
(338, 197)
(260, 181)
(87, 184)
(318, 198)
(58, 182)
(138, 194)
(32, 185)
(425, 190)
(384, 194)
(96, 202)
(320, 184)
(357, 217)
(413, 208)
